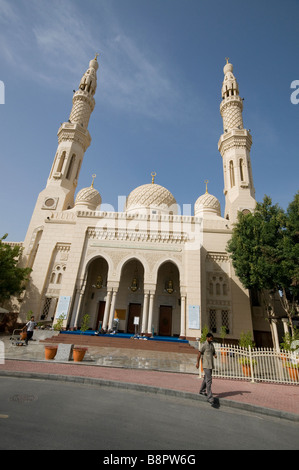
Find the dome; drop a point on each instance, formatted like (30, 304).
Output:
(88, 198)
(207, 203)
(151, 198)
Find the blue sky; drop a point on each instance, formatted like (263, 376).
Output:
(158, 96)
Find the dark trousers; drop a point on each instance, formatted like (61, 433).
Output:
(206, 385)
(29, 336)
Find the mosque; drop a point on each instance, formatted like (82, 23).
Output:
(149, 267)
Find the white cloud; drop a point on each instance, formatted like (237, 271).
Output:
(53, 43)
(133, 81)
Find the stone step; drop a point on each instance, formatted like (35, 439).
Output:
(116, 342)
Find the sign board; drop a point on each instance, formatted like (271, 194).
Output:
(63, 307)
(120, 314)
(194, 317)
(136, 320)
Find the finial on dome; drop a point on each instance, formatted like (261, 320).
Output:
(96, 56)
(93, 177)
(153, 174)
(227, 59)
(206, 183)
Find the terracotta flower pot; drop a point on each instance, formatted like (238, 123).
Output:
(223, 352)
(50, 352)
(293, 373)
(246, 370)
(78, 354)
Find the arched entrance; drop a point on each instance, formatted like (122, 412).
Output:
(130, 296)
(168, 310)
(94, 300)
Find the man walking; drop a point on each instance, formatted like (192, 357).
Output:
(207, 352)
(30, 327)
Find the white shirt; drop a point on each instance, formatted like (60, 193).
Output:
(31, 325)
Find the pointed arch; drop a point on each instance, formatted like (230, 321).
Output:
(70, 168)
(231, 174)
(61, 162)
(241, 169)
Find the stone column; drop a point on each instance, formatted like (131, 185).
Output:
(80, 293)
(145, 314)
(150, 313)
(107, 309)
(285, 323)
(112, 309)
(73, 318)
(274, 334)
(183, 317)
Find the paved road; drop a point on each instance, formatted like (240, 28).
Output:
(40, 414)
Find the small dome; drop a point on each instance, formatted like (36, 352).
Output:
(151, 198)
(94, 63)
(207, 203)
(228, 68)
(88, 198)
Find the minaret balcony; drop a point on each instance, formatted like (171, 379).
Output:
(234, 138)
(74, 132)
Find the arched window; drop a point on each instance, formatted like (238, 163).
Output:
(78, 170)
(61, 162)
(241, 166)
(70, 169)
(231, 174)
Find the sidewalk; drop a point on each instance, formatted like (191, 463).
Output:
(172, 374)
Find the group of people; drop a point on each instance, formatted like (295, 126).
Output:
(207, 353)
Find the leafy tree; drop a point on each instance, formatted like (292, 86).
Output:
(12, 277)
(264, 250)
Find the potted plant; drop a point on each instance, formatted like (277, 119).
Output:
(85, 323)
(245, 342)
(79, 353)
(223, 333)
(50, 352)
(293, 370)
(204, 332)
(59, 324)
(246, 365)
(289, 344)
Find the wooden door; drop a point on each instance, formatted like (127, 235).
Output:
(134, 311)
(165, 320)
(101, 312)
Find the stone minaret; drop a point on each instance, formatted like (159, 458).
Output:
(73, 141)
(234, 146)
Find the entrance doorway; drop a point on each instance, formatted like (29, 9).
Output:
(101, 312)
(134, 311)
(165, 320)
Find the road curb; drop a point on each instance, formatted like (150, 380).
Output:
(154, 390)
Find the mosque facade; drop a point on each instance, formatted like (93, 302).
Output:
(147, 268)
